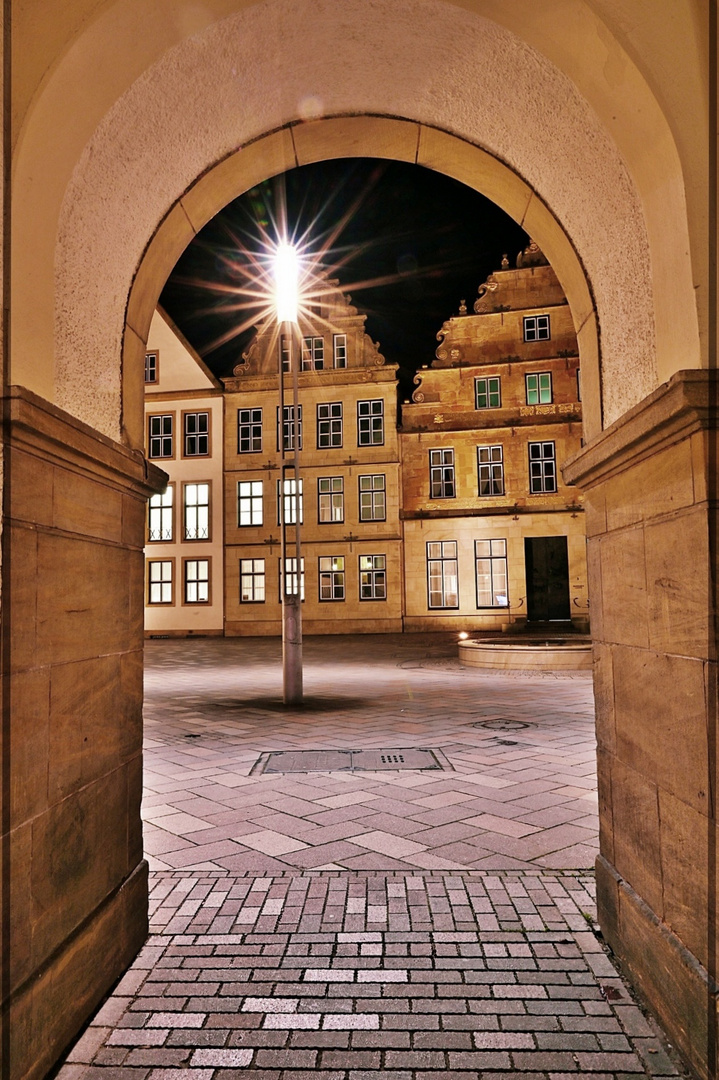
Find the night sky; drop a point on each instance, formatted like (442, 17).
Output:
(408, 244)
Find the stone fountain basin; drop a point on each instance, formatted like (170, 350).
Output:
(544, 654)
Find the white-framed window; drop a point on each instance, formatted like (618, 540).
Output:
(339, 350)
(288, 498)
(539, 388)
(249, 502)
(329, 425)
(159, 581)
(288, 427)
(490, 558)
(313, 353)
(152, 367)
(285, 353)
(372, 497)
(370, 423)
(542, 467)
(441, 474)
(330, 499)
(160, 436)
(488, 392)
(291, 577)
(196, 511)
(249, 431)
(332, 577)
(252, 581)
(442, 574)
(490, 470)
(372, 577)
(196, 427)
(536, 328)
(161, 516)
(197, 581)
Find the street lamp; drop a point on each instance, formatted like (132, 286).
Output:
(286, 273)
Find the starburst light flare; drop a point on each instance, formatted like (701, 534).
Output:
(286, 283)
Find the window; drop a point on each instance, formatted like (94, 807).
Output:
(442, 576)
(373, 577)
(288, 427)
(249, 431)
(441, 474)
(332, 577)
(491, 568)
(339, 347)
(159, 582)
(536, 328)
(313, 353)
(490, 470)
(197, 434)
(252, 581)
(542, 467)
(579, 385)
(372, 497)
(290, 500)
(160, 516)
(249, 502)
(370, 423)
(197, 581)
(291, 577)
(160, 436)
(330, 499)
(329, 425)
(196, 500)
(539, 388)
(152, 367)
(285, 354)
(487, 393)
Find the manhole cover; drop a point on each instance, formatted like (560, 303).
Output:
(305, 761)
(501, 723)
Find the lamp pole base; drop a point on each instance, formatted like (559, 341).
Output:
(292, 650)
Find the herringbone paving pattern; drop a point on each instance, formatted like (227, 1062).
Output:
(413, 925)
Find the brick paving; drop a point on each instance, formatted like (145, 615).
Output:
(417, 924)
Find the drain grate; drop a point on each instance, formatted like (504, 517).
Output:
(306, 761)
(502, 723)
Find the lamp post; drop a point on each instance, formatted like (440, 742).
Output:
(286, 300)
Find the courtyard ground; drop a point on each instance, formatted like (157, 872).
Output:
(422, 921)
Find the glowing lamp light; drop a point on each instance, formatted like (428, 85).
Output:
(286, 283)
(463, 635)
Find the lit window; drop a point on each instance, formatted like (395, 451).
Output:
(197, 581)
(490, 470)
(160, 516)
(252, 581)
(313, 353)
(152, 367)
(329, 425)
(249, 431)
(373, 577)
(197, 434)
(288, 427)
(291, 577)
(487, 393)
(159, 582)
(196, 511)
(332, 577)
(542, 467)
(330, 499)
(287, 493)
(339, 344)
(249, 502)
(441, 474)
(160, 436)
(536, 328)
(539, 388)
(372, 498)
(491, 567)
(370, 423)
(442, 574)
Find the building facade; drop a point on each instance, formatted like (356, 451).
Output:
(184, 592)
(492, 534)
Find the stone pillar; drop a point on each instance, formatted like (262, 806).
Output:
(72, 728)
(650, 512)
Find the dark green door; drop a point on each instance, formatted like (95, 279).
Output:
(547, 568)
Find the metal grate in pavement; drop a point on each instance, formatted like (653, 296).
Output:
(306, 761)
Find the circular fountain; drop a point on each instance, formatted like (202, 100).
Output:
(510, 652)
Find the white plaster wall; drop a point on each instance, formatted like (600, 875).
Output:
(255, 71)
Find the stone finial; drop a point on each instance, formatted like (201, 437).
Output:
(532, 256)
(463, 307)
(505, 262)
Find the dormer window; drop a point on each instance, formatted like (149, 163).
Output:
(536, 328)
(152, 367)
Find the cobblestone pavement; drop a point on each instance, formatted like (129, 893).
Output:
(419, 962)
